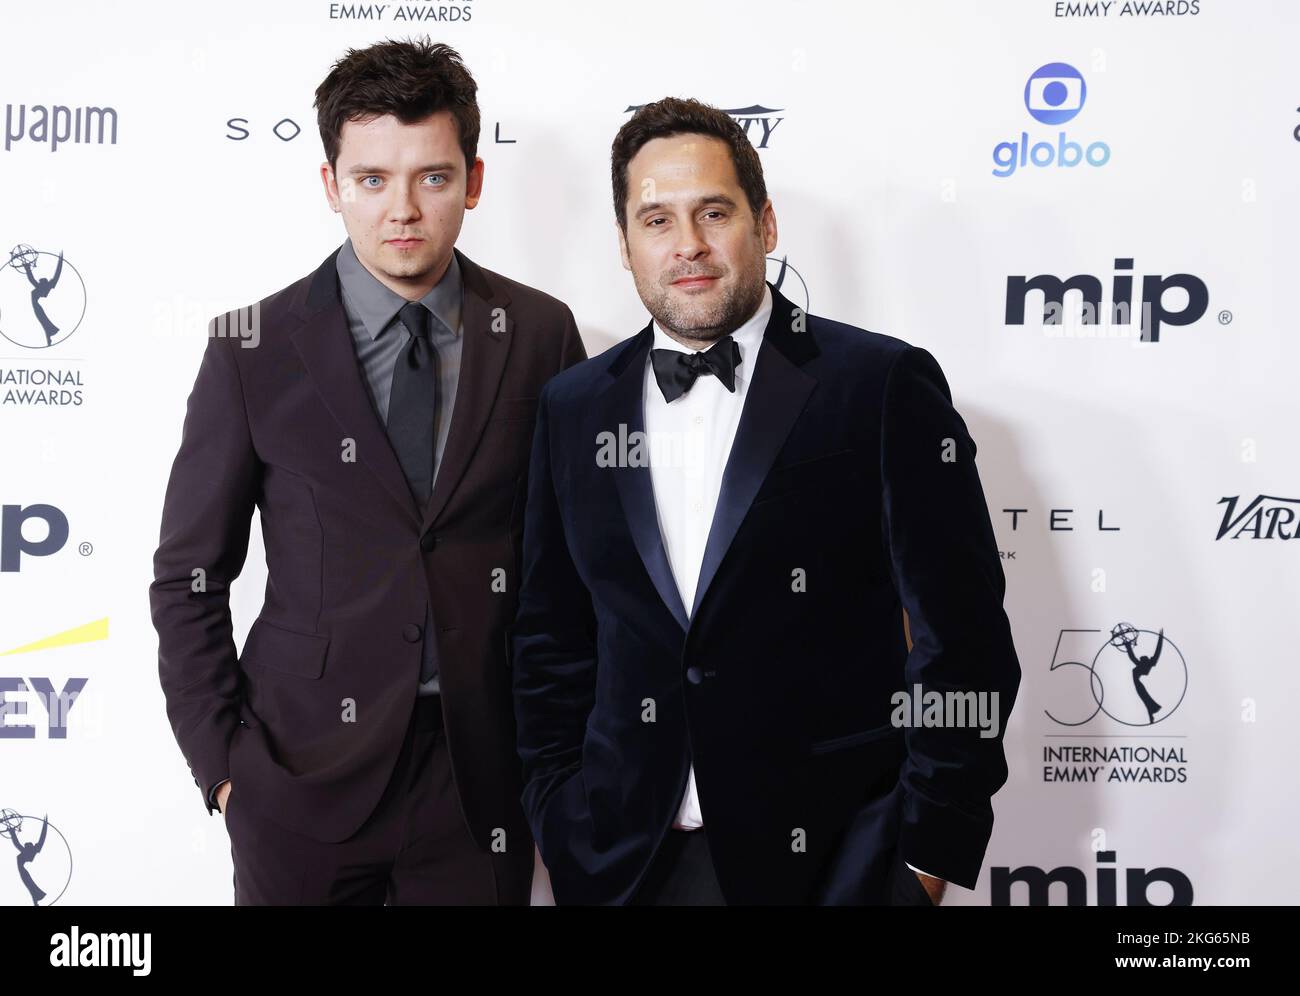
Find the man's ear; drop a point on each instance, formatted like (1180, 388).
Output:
(474, 184)
(622, 246)
(769, 226)
(331, 188)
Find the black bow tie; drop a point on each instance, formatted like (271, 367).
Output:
(676, 371)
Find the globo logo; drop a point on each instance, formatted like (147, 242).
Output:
(1054, 94)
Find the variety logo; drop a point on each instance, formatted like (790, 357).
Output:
(1266, 517)
(1054, 95)
(756, 121)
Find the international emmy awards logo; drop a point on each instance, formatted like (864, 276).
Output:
(44, 862)
(1137, 677)
(42, 298)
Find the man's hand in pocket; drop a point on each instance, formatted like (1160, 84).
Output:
(934, 887)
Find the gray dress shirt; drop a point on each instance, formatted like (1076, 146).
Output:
(378, 336)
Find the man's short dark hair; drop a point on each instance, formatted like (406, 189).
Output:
(675, 116)
(408, 79)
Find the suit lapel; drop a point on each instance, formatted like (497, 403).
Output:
(773, 402)
(623, 407)
(777, 395)
(487, 330)
(325, 345)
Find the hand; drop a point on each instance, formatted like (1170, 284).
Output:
(223, 793)
(934, 887)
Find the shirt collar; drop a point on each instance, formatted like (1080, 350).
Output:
(749, 336)
(377, 304)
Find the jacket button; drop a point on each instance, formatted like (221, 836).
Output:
(411, 633)
(694, 675)
(428, 541)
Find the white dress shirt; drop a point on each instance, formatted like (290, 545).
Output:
(689, 441)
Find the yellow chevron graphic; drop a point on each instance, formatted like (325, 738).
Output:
(86, 633)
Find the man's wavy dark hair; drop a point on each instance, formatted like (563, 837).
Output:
(675, 116)
(408, 79)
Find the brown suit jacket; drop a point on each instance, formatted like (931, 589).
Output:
(308, 720)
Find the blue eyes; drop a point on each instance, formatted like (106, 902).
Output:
(375, 186)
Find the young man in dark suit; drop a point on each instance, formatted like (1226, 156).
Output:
(727, 516)
(378, 414)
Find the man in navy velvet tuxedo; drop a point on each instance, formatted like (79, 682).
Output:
(728, 515)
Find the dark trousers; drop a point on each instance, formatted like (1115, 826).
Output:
(415, 848)
(681, 873)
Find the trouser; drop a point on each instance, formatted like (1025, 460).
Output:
(414, 849)
(681, 873)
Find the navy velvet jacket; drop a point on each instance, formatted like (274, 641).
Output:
(851, 469)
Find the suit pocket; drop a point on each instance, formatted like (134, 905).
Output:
(811, 476)
(299, 654)
(514, 410)
(852, 739)
(604, 785)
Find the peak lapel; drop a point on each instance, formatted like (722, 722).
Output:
(775, 398)
(325, 345)
(487, 328)
(623, 406)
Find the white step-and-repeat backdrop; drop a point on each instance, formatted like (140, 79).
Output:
(950, 173)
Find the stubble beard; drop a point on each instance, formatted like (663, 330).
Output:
(689, 321)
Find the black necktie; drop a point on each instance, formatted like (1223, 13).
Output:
(676, 371)
(411, 405)
(412, 402)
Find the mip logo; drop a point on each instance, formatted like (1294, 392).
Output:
(44, 866)
(42, 298)
(1135, 676)
(15, 543)
(1054, 94)
(1172, 885)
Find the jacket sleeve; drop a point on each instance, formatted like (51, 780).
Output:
(945, 566)
(211, 494)
(572, 349)
(554, 675)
